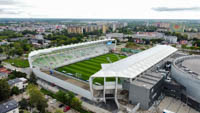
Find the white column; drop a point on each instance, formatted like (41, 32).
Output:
(91, 87)
(116, 84)
(104, 90)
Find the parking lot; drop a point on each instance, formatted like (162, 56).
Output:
(175, 105)
(53, 105)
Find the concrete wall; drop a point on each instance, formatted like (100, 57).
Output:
(143, 95)
(63, 84)
(140, 95)
(126, 85)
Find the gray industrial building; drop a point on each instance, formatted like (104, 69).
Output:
(145, 89)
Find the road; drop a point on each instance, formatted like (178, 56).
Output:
(23, 70)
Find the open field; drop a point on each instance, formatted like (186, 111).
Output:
(18, 62)
(84, 69)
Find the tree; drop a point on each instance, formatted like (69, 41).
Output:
(68, 97)
(156, 40)
(185, 37)
(37, 98)
(25, 111)
(58, 111)
(33, 78)
(29, 32)
(183, 46)
(41, 105)
(23, 104)
(26, 47)
(16, 74)
(60, 96)
(11, 76)
(76, 103)
(19, 51)
(64, 97)
(4, 90)
(1, 50)
(15, 91)
(197, 43)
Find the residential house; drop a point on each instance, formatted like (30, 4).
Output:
(10, 106)
(21, 83)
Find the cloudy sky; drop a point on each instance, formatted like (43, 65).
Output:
(120, 9)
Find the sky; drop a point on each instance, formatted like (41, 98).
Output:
(101, 9)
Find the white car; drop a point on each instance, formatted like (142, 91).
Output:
(53, 101)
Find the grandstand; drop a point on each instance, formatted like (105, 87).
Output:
(49, 65)
(60, 56)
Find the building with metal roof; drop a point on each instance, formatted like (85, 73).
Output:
(18, 82)
(134, 65)
(10, 106)
(129, 69)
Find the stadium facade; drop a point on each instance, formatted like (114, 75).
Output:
(137, 79)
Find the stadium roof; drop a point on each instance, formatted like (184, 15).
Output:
(134, 65)
(48, 50)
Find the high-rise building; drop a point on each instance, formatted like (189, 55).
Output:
(113, 27)
(75, 29)
(104, 28)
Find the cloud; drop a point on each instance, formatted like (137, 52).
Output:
(10, 11)
(8, 2)
(167, 9)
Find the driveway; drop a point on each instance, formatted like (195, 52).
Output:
(20, 96)
(23, 70)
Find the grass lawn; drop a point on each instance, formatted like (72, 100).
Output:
(86, 68)
(18, 62)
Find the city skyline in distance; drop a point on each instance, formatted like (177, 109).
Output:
(101, 9)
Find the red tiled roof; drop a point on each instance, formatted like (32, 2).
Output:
(4, 70)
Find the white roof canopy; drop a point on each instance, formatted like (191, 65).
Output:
(49, 50)
(134, 65)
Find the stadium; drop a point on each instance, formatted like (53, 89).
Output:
(95, 72)
(69, 67)
(185, 70)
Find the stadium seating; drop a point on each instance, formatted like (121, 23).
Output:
(70, 55)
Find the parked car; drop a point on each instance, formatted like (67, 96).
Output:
(67, 108)
(61, 105)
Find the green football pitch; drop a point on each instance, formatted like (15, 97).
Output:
(84, 69)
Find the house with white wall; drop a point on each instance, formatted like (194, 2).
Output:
(21, 83)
